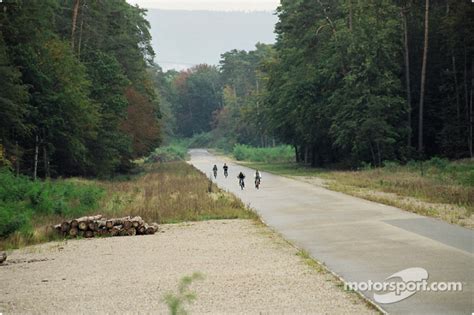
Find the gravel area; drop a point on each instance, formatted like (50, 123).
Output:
(247, 269)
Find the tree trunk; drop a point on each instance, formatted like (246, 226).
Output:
(75, 10)
(79, 45)
(374, 161)
(17, 159)
(379, 153)
(297, 154)
(471, 114)
(423, 78)
(46, 162)
(35, 167)
(407, 74)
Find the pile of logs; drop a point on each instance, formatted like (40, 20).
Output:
(95, 226)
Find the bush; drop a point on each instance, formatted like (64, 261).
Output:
(391, 165)
(23, 200)
(202, 140)
(438, 163)
(171, 153)
(281, 153)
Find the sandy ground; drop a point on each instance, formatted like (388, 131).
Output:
(247, 269)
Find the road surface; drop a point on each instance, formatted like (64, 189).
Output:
(360, 240)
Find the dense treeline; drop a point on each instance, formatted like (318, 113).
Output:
(76, 96)
(347, 82)
(373, 80)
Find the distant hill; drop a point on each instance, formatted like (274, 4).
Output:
(182, 39)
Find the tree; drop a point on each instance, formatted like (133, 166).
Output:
(141, 123)
(423, 77)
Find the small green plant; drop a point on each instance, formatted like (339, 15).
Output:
(24, 203)
(177, 301)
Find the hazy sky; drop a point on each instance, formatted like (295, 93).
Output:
(215, 5)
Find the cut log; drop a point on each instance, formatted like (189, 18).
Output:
(74, 223)
(115, 231)
(92, 225)
(132, 231)
(152, 229)
(127, 224)
(142, 229)
(117, 221)
(57, 227)
(137, 221)
(109, 224)
(73, 232)
(94, 217)
(88, 234)
(83, 225)
(3, 257)
(65, 226)
(101, 224)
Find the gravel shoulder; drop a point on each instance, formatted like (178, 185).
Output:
(247, 269)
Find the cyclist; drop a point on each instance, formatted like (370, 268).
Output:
(215, 171)
(241, 178)
(258, 179)
(226, 169)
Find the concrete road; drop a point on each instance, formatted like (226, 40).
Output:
(358, 239)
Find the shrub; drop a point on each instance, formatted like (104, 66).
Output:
(171, 153)
(23, 200)
(275, 154)
(202, 140)
(391, 165)
(438, 163)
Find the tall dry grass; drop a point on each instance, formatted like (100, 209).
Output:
(164, 193)
(170, 192)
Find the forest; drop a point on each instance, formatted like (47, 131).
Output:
(347, 82)
(77, 96)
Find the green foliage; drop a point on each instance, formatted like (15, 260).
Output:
(23, 200)
(276, 154)
(198, 96)
(201, 140)
(177, 302)
(169, 153)
(63, 94)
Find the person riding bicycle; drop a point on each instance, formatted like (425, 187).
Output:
(241, 178)
(258, 178)
(215, 170)
(226, 169)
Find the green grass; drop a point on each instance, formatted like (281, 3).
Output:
(25, 205)
(282, 153)
(176, 151)
(169, 192)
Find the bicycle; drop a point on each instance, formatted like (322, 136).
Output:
(257, 183)
(241, 183)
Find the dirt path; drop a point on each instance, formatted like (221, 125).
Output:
(247, 269)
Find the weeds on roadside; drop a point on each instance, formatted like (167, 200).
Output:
(177, 301)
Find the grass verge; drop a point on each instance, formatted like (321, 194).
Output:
(163, 192)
